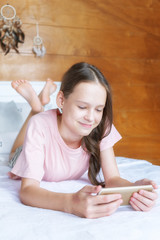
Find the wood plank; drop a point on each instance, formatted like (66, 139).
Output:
(108, 13)
(118, 71)
(131, 4)
(137, 123)
(15, 66)
(146, 148)
(63, 41)
(131, 71)
(137, 98)
(134, 18)
(155, 4)
(31, 68)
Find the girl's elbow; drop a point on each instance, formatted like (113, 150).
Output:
(22, 196)
(27, 191)
(25, 196)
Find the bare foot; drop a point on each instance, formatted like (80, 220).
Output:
(24, 88)
(49, 88)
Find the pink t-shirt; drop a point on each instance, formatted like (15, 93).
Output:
(45, 156)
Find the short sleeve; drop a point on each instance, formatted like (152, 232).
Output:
(31, 160)
(110, 139)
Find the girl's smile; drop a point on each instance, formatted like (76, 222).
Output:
(86, 125)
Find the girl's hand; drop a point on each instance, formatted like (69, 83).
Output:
(86, 203)
(144, 200)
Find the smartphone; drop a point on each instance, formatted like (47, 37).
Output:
(126, 192)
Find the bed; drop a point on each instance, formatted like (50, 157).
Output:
(18, 221)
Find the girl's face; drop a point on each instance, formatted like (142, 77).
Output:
(83, 109)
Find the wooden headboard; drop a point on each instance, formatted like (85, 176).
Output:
(120, 37)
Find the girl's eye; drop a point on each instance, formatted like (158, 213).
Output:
(81, 107)
(99, 110)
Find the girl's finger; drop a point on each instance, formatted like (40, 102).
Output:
(103, 210)
(105, 199)
(91, 189)
(155, 186)
(134, 206)
(150, 195)
(143, 203)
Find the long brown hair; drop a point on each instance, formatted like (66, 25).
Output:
(84, 72)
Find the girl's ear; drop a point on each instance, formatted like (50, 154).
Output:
(60, 99)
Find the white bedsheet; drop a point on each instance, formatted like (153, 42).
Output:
(20, 222)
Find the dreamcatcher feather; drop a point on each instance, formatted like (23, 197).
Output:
(10, 29)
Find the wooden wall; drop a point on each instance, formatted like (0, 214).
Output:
(120, 37)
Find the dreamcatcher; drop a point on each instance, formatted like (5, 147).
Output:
(10, 29)
(38, 47)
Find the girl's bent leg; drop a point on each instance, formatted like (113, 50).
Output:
(25, 89)
(20, 137)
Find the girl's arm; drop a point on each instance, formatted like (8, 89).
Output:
(84, 203)
(141, 201)
(110, 170)
(33, 195)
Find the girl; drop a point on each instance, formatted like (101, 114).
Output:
(61, 146)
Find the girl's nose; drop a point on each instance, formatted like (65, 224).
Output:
(89, 116)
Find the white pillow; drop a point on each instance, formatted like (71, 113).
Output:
(10, 118)
(6, 141)
(10, 123)
(14, 113)
(23, 109)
